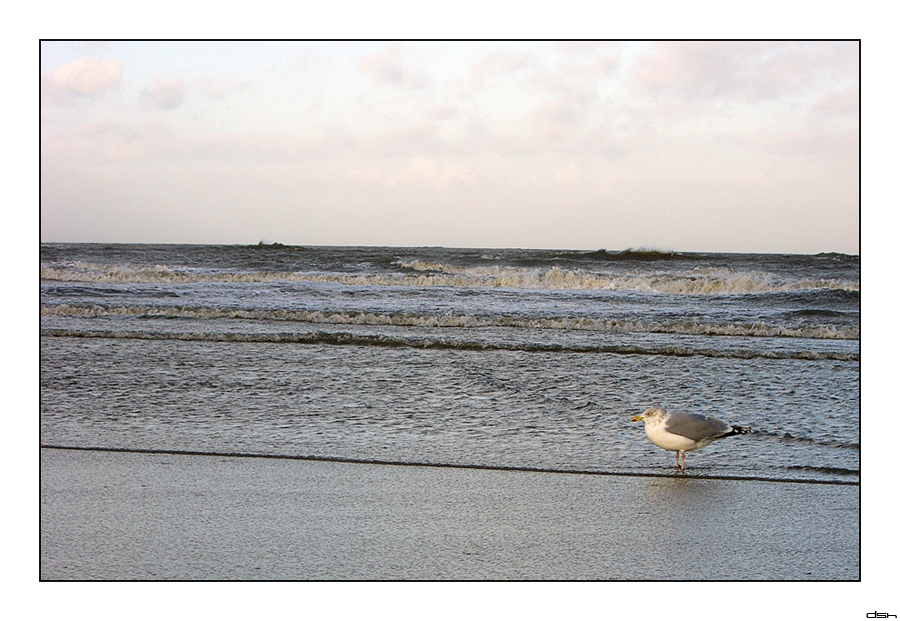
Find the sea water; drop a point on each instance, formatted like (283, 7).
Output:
(533, 359)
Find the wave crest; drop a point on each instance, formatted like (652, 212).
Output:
(450, 320)
(419, 273)
(383, 340)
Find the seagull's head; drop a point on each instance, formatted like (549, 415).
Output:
(649, 414)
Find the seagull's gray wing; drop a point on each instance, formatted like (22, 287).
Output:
(696, 427)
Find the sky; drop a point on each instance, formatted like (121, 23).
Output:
(718, 146)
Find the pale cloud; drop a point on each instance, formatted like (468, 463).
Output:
(493, 66)
(482, 137)
(794, 69)
(441, 112)
(222, 88)
(163, 93)
(815, 144)
(837, 103)
(101, 142)
(406, 141)
(580, 72)
(521, 102)
(417, 171)
(82, 78)
(569, 175)
(387, 67)
(748, 70)
(556, 120)
(696, 69)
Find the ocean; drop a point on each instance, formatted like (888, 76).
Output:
(482, 358)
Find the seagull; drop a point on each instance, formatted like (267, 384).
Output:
(684, 432)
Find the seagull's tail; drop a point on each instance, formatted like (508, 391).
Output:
(736, 431)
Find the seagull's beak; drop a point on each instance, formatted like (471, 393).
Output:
(637, 418)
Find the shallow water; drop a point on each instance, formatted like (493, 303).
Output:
(497, 358)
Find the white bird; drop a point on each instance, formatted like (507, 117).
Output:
(684, 432)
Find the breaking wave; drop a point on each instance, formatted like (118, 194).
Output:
(421, 273)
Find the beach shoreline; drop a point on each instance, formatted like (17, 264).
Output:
(169, 516)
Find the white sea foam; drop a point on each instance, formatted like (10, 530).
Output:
(700, 281)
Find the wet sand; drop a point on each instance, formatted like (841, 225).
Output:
(132, 516)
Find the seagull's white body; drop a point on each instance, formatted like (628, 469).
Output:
(657, 433)
(684, 432)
